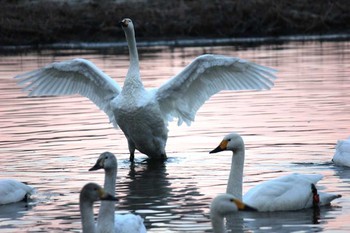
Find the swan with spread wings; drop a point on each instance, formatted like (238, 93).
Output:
(143, 114)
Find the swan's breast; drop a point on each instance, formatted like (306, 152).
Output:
(137, 111)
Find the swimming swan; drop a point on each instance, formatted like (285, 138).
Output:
(290, 192)
(223, 205)
(13, 191)
(89, 194)
(342, 153)
(143, 114)
(107, 219)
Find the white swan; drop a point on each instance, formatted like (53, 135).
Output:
(342, 153)
(89, 194)
(13, 191)
(107, 219)
(143, 114)
(290, 192)
(223, 205)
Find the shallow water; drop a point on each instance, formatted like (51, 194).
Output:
(51, 142)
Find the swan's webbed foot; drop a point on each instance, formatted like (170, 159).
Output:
(26, 198)
(158, 159)
(315, 204)
(315, 196)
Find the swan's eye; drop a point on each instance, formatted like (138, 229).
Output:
(228, 140)
(106, 157)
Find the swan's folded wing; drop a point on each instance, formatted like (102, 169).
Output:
(185, 93)
(289, 192)
(280, 194)
(77, 76)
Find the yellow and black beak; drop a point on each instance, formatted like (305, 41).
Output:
(221, 147)
(243, 207)
(104, 196)
(98, 165)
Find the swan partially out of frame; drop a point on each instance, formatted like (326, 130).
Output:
(89, 194)
(222, 206)
(13, 191)
(342, 153)
(108, 221)
(290, 192)
(143, 114)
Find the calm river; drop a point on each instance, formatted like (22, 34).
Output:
(51, 142)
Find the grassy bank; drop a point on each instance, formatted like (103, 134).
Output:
(29, 23)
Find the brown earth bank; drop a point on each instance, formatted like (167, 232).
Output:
(25, 22)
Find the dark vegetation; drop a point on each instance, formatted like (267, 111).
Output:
(24, 22)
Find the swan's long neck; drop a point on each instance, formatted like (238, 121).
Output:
(105, 221)
(110, 180)
(235, 179)
(133, 75)
(87, 217)
(217, 223)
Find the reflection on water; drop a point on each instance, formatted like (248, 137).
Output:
(161, 198)
(14, 210)
(301, 220)
(51, 142)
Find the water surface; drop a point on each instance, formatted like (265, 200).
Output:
(51, 142)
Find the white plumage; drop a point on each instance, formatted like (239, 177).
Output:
(129, 223)
(290, 192)
(342, 153)
(13, 191)
(143, 114)
(108, 221)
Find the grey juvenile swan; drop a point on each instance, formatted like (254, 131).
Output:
(223, 205)
(143, 114)
(108, 221)
(89, 194)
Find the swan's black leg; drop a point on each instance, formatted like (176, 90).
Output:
(132, 148)
(131, 158)
(163, 157)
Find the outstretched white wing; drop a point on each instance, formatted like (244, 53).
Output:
(184, 94)
(77, 76)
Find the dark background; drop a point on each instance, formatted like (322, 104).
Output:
(25, 22)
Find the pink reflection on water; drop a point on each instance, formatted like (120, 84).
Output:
(51, 142)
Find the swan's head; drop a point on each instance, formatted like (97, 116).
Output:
(225, 204)
(126, 23)
(106, 161)
(232, 142)
(92, 192)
